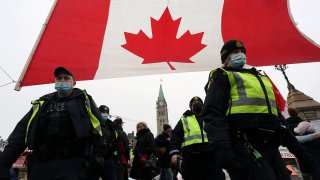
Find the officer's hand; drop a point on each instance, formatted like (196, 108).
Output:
(4, 173)
(227, 160)
(174, 160)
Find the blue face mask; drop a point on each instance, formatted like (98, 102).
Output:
(63, 88)
(238, 60)
(104, 116)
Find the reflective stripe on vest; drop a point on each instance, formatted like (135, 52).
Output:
(35, 107)
(247, 95)
(94, 121)
(192, 131)
(116, 151)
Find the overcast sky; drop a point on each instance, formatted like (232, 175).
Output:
(132, 98)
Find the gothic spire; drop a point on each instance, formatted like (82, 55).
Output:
(161, 95)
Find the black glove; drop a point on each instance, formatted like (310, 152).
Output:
(227, 160)
(4, 173)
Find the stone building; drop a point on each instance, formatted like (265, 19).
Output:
(162, 111)
(308, 108)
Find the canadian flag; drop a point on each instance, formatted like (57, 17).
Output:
(280, 101)
(98, 39)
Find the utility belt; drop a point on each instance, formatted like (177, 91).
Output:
(194, 154)
(259, 136)
(251, 139)
(48, 152)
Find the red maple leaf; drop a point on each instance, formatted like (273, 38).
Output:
(164, 46)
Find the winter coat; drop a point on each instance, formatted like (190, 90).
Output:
(123, 145)
(293, 122)
(163, 140)
(144, 148)
(79, 116)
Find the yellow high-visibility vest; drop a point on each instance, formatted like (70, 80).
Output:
(94, 121)
(35, 107)
(192, 131)
(247, 94)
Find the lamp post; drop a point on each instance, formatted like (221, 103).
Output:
(283, 68)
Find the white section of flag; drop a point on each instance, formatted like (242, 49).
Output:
(133, 16)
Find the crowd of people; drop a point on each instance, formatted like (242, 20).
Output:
(236, 130)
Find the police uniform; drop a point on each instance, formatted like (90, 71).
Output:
(241, 116)
(190, 141)
(108, 172)
(61, 132)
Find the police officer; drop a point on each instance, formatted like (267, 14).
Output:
(60, 128)
(242, 118)
(190, 149)
(108, 172)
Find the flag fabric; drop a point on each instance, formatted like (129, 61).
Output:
(280, 101)
(99, 39)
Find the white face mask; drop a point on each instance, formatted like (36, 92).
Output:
(238, 60)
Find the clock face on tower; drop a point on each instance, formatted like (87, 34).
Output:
(161, 103)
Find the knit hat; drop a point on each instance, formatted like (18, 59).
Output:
(196, 98)
(230, 46)
(304, 128)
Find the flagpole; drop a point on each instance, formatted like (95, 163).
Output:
(44, 26)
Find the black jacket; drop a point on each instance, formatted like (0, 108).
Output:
(293, 122)
(163, 140)
(145, 145)
(123, 138)
(201, 149)
(219, 126)
(80, 119)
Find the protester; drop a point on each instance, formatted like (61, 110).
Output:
(142, 151)
(293, 120)
(60, 128)
(242, 120)
(303, 128)
(311, 141)
(163, 145)
(190, 149)
(123, 151)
